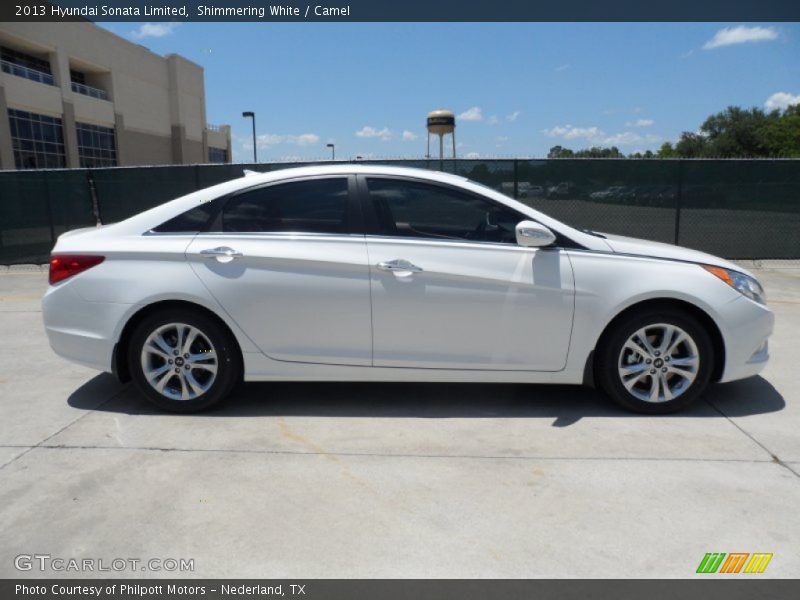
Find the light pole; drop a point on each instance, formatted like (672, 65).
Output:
(333, 151)
(251, 115)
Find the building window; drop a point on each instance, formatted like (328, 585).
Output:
(38, 140)
(77, 77)
(25, 65)
(217, 155)
(96, 146)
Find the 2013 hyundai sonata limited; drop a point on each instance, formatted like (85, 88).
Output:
(368, 273)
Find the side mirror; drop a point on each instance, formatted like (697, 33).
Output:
(534, 235)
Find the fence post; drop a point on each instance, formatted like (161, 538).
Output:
(679, 202)
(48, 204)
(516, 179)
(93, 197)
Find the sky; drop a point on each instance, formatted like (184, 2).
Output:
(517, 89)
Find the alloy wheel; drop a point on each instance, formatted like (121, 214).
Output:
(179, 361)
(658, 363)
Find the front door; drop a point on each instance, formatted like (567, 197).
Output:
(451, 289)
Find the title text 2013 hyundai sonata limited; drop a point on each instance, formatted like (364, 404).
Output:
(368, 273)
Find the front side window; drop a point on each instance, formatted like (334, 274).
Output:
(314, 206)
(414, 209)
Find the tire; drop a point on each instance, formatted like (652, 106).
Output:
(199, 376)
(682, 374)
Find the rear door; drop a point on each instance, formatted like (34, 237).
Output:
(288, 262)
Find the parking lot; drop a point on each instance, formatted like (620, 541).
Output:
(394, 480)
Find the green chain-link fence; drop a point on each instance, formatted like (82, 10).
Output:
(748, 209)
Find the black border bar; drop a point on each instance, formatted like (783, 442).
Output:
(413, 10)
(713, 588)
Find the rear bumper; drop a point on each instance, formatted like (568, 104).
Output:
(748, 326)
(81, 331)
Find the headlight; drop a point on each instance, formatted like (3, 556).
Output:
(742, 283)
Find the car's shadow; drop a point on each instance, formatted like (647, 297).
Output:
(565, 404)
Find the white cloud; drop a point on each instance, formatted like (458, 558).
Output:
(627, 138)
(492, 120)
(409, 136)
(781, 100)
(370, 132)
(568, 132)
(305, 139)
(472, 155)
(740, 35)
(640, 123)
(513, 116)
(501, 138)
(273, 139)
(472, 114)
(560, 68)
(595, 135)
(155, 30)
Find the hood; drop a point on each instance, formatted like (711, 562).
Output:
(628, 245)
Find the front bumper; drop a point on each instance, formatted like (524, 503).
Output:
(747, 326)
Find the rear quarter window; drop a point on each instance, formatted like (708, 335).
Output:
(192, 221)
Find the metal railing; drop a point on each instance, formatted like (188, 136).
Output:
(87, 90)
(27, 72)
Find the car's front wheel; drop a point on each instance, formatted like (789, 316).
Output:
(655, 361)
(183, 361)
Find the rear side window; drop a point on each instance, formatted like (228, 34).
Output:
(313, 206)
(192, 221)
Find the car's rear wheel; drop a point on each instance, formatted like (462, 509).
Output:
(183, 361)
(655, 361)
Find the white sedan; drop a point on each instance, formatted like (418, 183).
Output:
(369, 273)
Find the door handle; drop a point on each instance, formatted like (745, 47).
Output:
(399, 265)
(221, 253)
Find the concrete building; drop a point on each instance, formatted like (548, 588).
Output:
(76, 95)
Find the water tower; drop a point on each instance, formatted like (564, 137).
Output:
(441, 123)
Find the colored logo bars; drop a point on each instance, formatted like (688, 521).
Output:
(736, 562)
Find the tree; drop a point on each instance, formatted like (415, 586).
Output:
(597, 152)
(783, 135)
(732, 133)
(740, 133)
(560, 152)
(667, 151)
(692, 145)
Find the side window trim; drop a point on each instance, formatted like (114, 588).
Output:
(372, 225)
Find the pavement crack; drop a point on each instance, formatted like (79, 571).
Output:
(329, 454)
(41, 443)
(774, 457)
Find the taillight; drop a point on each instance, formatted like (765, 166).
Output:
(63, 266)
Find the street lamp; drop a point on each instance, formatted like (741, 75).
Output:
(333, 151)
(251, 115)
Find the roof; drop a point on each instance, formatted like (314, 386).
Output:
(348, 168)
